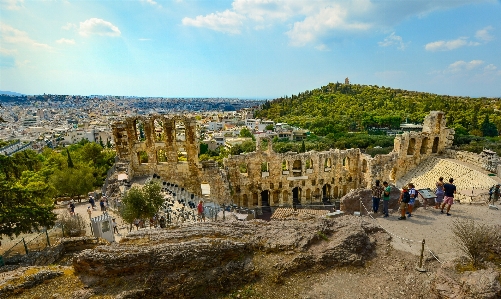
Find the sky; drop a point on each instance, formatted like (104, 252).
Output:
(248, 48)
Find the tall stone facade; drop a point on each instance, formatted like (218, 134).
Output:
(169, 146)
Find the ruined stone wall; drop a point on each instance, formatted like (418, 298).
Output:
(264, 177)
(486, 162)
(410, 148)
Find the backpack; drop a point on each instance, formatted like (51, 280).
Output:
(406, 198)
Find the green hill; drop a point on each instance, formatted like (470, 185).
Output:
(338, 108)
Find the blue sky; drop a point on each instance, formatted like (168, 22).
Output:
(248, 48)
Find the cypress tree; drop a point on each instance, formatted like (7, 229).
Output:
(70, 162)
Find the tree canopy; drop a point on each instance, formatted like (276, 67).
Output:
(142, 203)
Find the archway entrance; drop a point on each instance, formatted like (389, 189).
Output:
(326, 193)
(296, 196)
(434, 149)
(265, 198)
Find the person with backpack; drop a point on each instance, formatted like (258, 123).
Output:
(403, 201)
(413, 196)
(386, 198)
(377, 190)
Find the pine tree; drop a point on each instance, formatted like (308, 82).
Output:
(70, 162)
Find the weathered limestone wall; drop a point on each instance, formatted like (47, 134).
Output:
(484, 161)
(264, 177)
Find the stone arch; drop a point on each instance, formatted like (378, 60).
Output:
(411, 147)
(336, 192)
(245, 200)
(309, 163)
(327, 163)
(326, 191)
(139, 130)
(285, 165)
(265, 198)
(424, 146)
(434, 149)
(308, 195)
(285, 197)
(297, 168)
(255, 199)
(180, 127)
(142, 157)
(158, 129)
(162, 155)
(364, 166)
(346, 162)
(275, 198)
(317, 195)
(296, 196)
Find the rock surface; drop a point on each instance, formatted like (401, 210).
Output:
(191, 261)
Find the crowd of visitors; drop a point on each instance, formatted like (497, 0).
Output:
(444, 197)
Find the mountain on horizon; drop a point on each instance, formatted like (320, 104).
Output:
(11, 93)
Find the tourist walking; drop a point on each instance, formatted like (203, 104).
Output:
(449, 190)
(403, 201)
(386, 198)
(200, 209)
(115, 226)
(377, 191)
(413, 196)
(72, 208)
(439, 192)
(89, 212)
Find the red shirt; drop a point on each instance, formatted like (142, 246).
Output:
(200, 208)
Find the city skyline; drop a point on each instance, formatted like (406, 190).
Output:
(248, 48)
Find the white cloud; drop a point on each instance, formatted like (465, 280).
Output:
(11, 35)
(95, 26)
(152, 2)
(65, 41)
(490, 68)
(484, 35)
(446, 45)
(12, 4)
(462, 66)
(322, 47)
(326, 20)
(69, 26)
(319, 20)
(393, 40)
(226, 21)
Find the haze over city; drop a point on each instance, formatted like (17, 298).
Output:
(248, 49)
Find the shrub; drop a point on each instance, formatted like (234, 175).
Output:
(474, 239)
(73, 226)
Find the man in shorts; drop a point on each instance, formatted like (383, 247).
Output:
(449, 190)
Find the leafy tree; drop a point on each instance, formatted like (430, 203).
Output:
(73, 182)
(488, 128)
(245, 132)
(269, 127)
(24, 209)
(303, 147)
(142, 203)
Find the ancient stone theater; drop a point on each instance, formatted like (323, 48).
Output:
(169, 147)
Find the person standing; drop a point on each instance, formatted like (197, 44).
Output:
(115, 226)
(386, 198)
(200, 209)
(89, 211)
(413, 196)
(449, 190)
(439, 192)
(377, 190)
(403, 201)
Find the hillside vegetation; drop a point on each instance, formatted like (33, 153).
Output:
(338, 108)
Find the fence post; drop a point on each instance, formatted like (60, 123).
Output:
(47, 235)
(25, 246)
(420, 267)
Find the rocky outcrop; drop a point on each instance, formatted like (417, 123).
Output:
(193, 261)
(481, 284)
(350, 203)
(25, 278)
